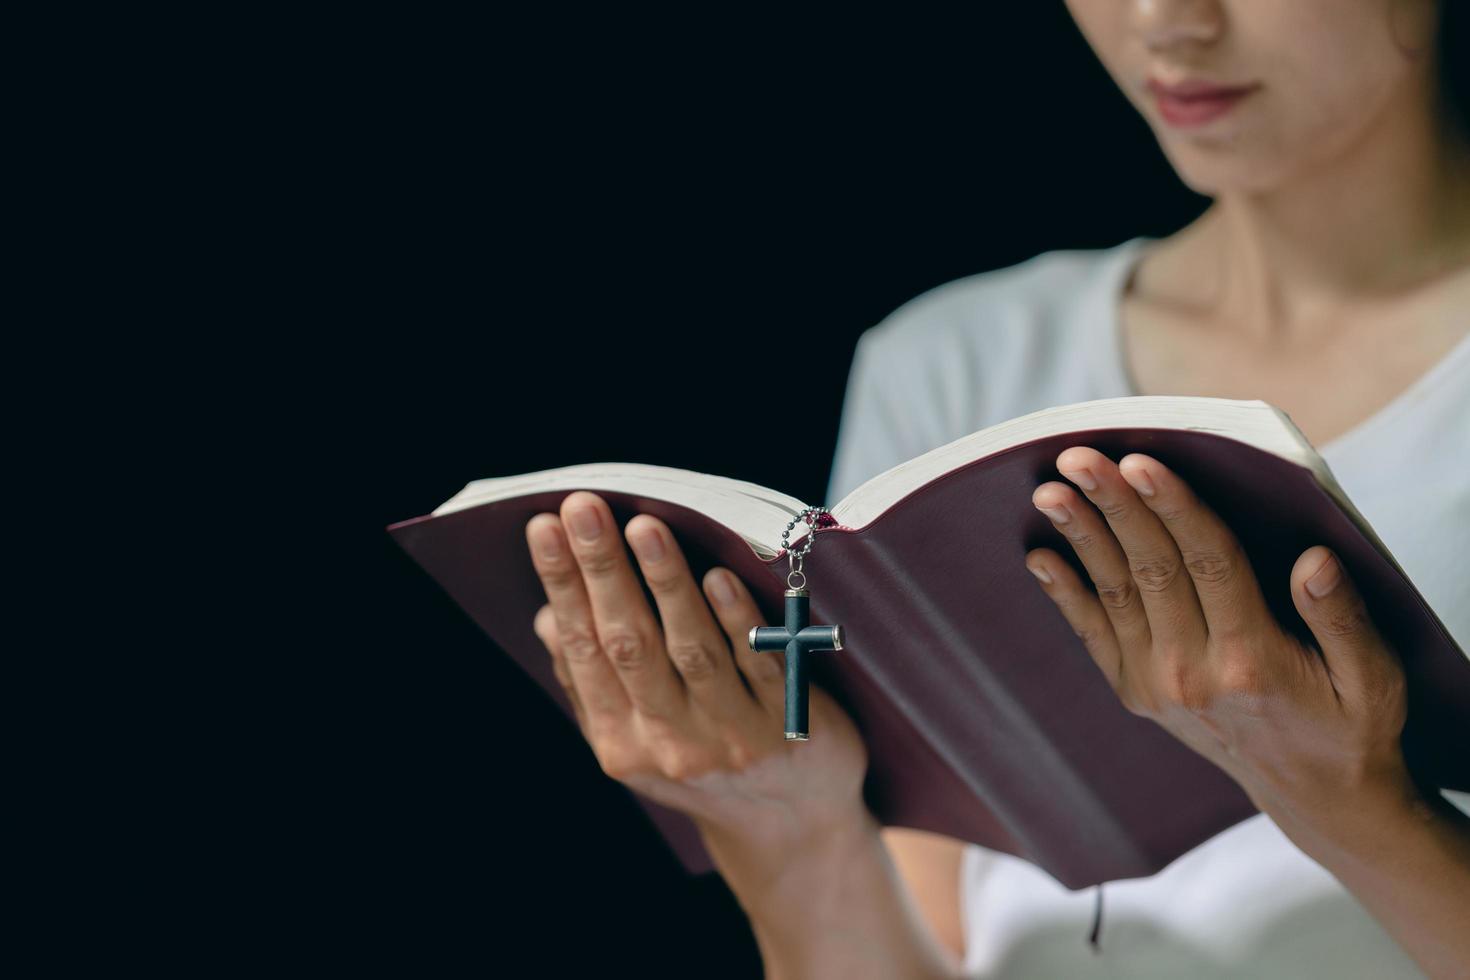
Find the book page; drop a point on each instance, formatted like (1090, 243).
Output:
(756, 513)
(1252, 421)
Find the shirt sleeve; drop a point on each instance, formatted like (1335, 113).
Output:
(876, 431)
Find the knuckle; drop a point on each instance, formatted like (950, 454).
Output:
(600, 562)
(1172, 511)
(558, 575)
(741, 753)
(1344, 621)
(682, 765)
(1243, 682)
(679, 770)
(625, 648)
(1212, 566)
(1154, 574)
(1184, 685)
(617, 765)
(1117, 595)
(579, 645)
(1115, 510)
(1082, 540)
(692, 659)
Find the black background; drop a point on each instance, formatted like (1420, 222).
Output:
(570, 238)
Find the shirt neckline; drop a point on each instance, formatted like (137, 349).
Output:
(1126, 259)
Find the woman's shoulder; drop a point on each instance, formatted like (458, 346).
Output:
(1054, 288)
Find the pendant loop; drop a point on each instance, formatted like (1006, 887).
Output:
(805, 515)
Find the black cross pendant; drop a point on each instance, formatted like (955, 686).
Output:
(797, 638)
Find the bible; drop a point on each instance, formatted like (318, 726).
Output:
(984, 716)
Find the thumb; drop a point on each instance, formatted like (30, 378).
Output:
(1352, 647)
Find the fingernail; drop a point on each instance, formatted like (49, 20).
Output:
(1058, 514)
(1040, 573)
(1325, 579)
(648, 546)
(1083, 478)
(722, 588)
(1138, 480)
(586, 523)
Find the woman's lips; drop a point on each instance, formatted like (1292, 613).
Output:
(1196, 103)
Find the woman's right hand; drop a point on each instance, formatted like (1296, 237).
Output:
(664, 706)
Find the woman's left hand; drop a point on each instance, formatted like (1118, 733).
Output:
(1179, 627)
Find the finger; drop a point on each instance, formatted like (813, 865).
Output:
(1153, 558)
(764, 670)
(1228, 592)
(693, 640)
(1083, 612)
(1103, 557)
(604, 700)
(1363, 668)
(544, 626)
(627, 629)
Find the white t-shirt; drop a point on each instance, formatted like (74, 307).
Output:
(1247, 902)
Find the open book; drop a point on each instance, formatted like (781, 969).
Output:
(984, 717)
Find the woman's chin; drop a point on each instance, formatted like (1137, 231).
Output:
(1222, 170)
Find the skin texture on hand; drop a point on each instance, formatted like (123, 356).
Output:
(1180, 629)
(676, 706)
(673, 702)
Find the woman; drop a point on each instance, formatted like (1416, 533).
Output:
(1331, 277)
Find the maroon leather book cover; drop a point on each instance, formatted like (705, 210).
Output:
(984, 717)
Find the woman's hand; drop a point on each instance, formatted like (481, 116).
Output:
(1180, 629)
(664, 707)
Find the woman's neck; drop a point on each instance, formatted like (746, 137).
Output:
(1385, 215)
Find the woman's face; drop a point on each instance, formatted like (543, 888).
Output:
(1316, 76)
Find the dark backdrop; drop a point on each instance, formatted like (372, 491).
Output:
(573, 238)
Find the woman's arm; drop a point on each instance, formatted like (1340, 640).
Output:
(671, 711)
(1181, 630)
(1407, 860)
(930, 866)
(838, 908)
